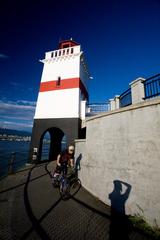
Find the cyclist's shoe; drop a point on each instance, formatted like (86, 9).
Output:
(55, 180)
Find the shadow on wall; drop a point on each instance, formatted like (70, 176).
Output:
(119, 225)
(78, 163)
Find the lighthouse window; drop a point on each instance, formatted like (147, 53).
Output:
(65, 45)
(55, 54)
(58, 81)
(71, 50)
(59, 53)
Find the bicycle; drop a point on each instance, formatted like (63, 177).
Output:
(68, 184)
(64, 184)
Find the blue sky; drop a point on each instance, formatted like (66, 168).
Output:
(120, 38)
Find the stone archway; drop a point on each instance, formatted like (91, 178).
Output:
(56, 128)
(56, 136)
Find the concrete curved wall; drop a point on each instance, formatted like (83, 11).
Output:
(124, 145)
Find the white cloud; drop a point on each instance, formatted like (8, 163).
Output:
(16, 126)
(17, 114)
(15, 84)
(3, 56)
(20, 104)
(24, 102)
(25, 118)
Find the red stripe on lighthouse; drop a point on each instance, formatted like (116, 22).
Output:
(64, 84)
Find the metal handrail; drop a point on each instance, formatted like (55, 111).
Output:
(95, 108)
(152, 86)
(12, 165)
(125, 98)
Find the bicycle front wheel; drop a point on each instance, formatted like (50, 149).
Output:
(64, 189)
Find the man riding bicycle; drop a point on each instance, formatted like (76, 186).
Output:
(65, 161)
(65, 176)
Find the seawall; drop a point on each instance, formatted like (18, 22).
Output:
(124, 145)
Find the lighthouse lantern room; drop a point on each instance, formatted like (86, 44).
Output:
(63, 90)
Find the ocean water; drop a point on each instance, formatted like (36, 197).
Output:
(21, 150)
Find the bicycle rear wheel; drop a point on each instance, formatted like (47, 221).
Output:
(75, 186)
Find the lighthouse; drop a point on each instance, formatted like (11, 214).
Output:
(61, 100)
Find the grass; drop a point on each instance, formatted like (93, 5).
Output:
(139, 223)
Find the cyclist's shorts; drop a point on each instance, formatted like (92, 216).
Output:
(70, 172)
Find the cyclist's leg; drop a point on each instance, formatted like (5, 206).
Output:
(65, 188)
(64, 185)
(64, 169)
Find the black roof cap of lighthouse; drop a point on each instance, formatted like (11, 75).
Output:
(67, 43)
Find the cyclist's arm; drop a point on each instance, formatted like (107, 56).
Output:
(72, 162)
(58, 160)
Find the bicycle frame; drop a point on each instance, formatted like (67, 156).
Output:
(64, 186)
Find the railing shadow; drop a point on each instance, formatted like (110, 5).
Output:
(22, 184)
(119, 224)
(36, 222)
(41, 232)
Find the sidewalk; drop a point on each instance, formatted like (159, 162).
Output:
(32, 209)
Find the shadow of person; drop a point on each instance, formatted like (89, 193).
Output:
(119, 225)
(77, 164)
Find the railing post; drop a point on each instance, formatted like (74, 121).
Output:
(137, 90)
(34, 155)
(108, 105)
(11, 163)
(117, 104)
(112, 104)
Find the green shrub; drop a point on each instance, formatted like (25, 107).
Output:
(140, 223)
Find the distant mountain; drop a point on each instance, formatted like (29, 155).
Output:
(14, 132)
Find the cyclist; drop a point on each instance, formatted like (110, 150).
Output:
(66, 161)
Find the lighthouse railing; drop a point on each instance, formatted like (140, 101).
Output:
(62, 52)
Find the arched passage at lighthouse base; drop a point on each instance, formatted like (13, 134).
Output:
(56, 136)
(57, 129)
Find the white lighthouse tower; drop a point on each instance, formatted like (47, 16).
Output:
(62, 94)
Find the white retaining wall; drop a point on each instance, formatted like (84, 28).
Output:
(124, 145)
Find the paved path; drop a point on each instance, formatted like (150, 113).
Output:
(32, 209)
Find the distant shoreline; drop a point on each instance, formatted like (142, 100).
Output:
(5, 137)
(20, 139)
(15, 140)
